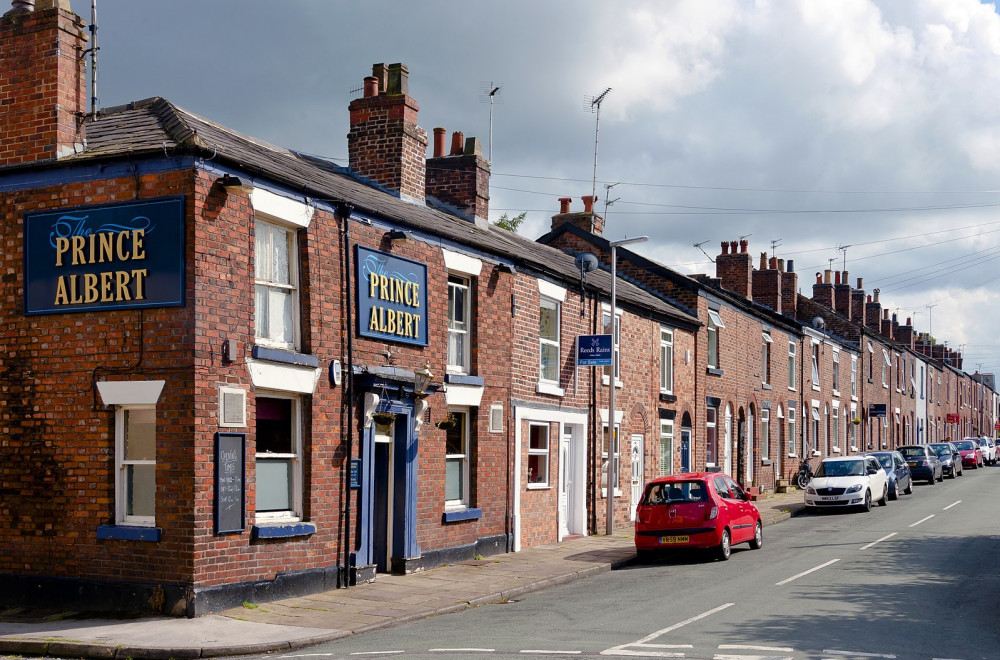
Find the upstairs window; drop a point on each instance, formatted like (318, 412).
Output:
(836, 371)
(615, 337)
(548, 338)
(765, 357)
(854, 376)
(458, 324)
(815, 366)
(666, 361)
(714, 325)
(791, 365)
(275, 286)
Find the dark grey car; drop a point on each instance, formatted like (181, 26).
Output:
(900, 479)
(923, 462)
(951, 460)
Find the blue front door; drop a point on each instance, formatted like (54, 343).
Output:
(685, 450)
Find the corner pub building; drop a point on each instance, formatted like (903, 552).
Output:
(233, 372)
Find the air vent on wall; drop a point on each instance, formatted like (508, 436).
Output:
(232, 407)
(496, 418)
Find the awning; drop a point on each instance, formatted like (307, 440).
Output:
(716, 319)
(816, 414)
(767, 338)
(885, 354)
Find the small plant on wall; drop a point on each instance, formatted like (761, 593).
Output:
(448, 423)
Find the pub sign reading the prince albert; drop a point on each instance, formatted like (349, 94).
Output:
(117, 256)
(392, 297)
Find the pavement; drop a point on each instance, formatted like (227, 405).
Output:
(294, 623)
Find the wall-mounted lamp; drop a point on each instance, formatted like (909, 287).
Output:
(422, 380)
(399, 235)
(235, 185)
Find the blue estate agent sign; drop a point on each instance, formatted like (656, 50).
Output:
(593, 350)
(105, 257)
(392, 297)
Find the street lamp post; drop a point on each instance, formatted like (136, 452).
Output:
(612, 434)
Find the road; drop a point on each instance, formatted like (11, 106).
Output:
(916, 579)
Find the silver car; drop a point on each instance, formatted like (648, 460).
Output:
(849, 481)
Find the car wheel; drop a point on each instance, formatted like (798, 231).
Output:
(885, 496)
(909, 487)
(941, 478)
(867, 506)
(932, 480)
(758, 537)
(723, 551)
(894, 492)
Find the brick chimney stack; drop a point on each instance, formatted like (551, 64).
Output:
(43, 95)
(823, 289)
(767, 283)
(873, 313)
(842, 296)
(385, 144)
(588, 220)
(905, 334)
(887, 325)
(789, 288)
(462, 177)
(735, 269)
(858, 303)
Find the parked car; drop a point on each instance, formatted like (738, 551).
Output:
(951, 460)
(989, 447)
(923, 462)
(695, 510)
(972, 455)
(897, 471)
(847, 481)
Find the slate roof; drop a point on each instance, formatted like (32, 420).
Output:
(155, 127)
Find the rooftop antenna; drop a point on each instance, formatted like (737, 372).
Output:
(831, 262)
(930, 326)
(608, 202)
(698, 245)
(595, 106)
(93, 59)
(491, 91)
(843, 248)
(774, 243)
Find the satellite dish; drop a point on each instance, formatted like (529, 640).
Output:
(818, 322)
(587, 263)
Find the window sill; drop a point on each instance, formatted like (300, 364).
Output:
(836, 450)
(712, 371)
(793, 455)
(458, 515)
(766, 386)
(129, 533)
(604, 492)
(605, 381)
(285, 356)
(539, 487)
(836, 393)
(765, 461)
(815, 387)
(549, 388)
(282, 531)
(464, 379)
(668, 398)
(854, 447)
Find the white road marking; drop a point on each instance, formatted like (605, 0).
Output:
(719, 656)
(649, 638)
(804, 573)
(317, 655)
(663, 646)
(644, 643)
(951, 505)
(859, 654)
(368, 653)
(887, 536)
(540, 652)
(746, 647)
(621, 650)
(922, 520)
(461, 650)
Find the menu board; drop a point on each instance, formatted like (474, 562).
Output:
(230, 482)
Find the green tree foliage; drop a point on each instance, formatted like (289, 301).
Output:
(510, 224)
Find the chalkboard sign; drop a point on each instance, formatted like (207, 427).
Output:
(230, 478)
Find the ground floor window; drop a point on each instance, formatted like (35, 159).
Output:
(538, 455)
(278, 457)
(456, 481)
(135, 440)
(666, 446)
(604, 459)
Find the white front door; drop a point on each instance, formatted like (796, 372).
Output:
(637, 472)
(727, 462)
(565, 479)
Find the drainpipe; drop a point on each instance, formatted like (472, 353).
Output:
(343, 210)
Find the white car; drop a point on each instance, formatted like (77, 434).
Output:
(989, 447)
(847, 481)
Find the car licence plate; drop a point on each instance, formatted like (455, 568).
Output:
(829, 498)
(912, 464)
(674, 539)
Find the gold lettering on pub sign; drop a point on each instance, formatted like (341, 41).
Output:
(122, 284)
(393, 321)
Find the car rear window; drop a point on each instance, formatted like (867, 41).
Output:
(941, 450)
(885, 460)
(964, 444)
(912, 452)
(676, 491)
(840, 469)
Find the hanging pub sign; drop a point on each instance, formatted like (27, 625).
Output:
(392, 297)
(116, 256)
(951, 418)
(876, 410)
(593, 350)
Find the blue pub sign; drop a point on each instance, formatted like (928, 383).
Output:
(392, 297)
(593, 350)
(116, 256)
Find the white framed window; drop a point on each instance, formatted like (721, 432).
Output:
(548, 339)
(135, 455)
(854, 427)
(459, 318)
(616, 457)
(765, 358)
(791, 365)
(836, 372)
(615, 338)
(922, 379)
(714, 325)
(538, 455)
(276, 290)
(886, 364)
(711, 425)
(816, 438)
(854, 376)
(765, 434)
(666, 361)
(815, 365)
(791, 432)
(456, 460)
(835, 428)
(278, 456)
(666, 446)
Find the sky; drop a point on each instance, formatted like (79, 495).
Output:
(862, 135)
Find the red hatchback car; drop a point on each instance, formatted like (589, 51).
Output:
(972, 454)
(695, 510)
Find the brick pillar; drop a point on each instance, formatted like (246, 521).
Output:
(43, 94)
(385, 144)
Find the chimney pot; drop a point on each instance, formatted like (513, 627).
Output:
(836, 277)
(909, 320)
(791, 265)
(439, 138)
(588, 203)
(457, 143)
(564, 203)
(773, 263)
(371, 86)
(732, 247)
(869, 298)
(861, 282)
(744, 244)
(21, 6)
(843, 277)
(827, 276)
(819, 278)
(725, 247)
(763, 261)
(781, 265)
